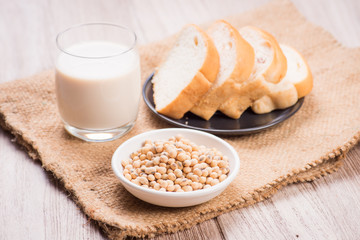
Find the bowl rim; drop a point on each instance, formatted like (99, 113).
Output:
(233, 171)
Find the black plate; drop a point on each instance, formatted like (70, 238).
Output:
(249, 122)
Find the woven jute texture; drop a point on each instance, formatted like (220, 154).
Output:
(309, 145)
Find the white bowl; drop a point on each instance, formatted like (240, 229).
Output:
(175, 199)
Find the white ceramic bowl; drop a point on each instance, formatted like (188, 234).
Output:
(175, 199)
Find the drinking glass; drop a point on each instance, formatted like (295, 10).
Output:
(97, 80)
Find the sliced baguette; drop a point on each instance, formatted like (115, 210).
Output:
(187, 73)
(296, 84)
(270, 66)
(236, 64)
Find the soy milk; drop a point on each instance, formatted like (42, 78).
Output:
(100, 89)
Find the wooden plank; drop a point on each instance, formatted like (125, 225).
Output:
(340, 18)
(206, 230)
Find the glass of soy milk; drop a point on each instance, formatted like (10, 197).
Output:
(97, 80)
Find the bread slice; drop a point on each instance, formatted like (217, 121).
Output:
(187, 73)
(301, 78)
(270, 66)
(236, 64)
(297, 83)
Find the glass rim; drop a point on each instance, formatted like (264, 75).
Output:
(131, 47)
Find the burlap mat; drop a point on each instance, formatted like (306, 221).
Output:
(309, 145)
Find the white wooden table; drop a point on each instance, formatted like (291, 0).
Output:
(33, 205)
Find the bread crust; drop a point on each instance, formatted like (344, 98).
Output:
(211, 101)
(188, 96)
(276, 99)
(200, 83)
(246, 94)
